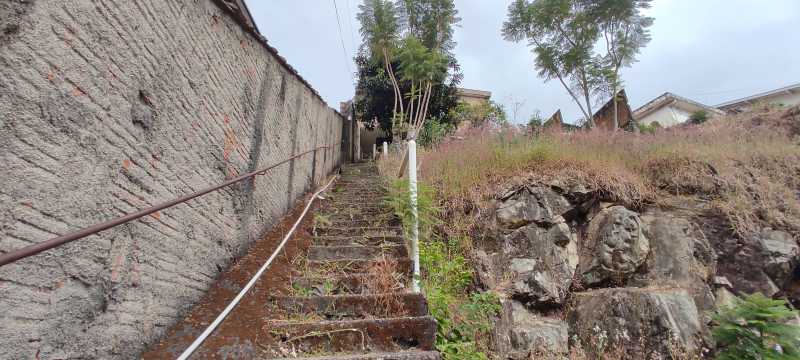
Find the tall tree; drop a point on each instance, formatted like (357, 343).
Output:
(422, 67)
(624, 32)
(562, 34)
(380, 30)
(422, 61)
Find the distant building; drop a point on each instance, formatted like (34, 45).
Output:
(555, 120)
(604, 118)
(785, 96)
(473, 97)
(670, 109)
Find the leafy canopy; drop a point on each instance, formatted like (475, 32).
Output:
(379, 27)
(565, 36)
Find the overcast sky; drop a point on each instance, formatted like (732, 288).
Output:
(710, 51)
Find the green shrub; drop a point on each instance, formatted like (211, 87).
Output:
(462, 316)
(433, 132)
(649, 128)
(698, 117)
(754, 328)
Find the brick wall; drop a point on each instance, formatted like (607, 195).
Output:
(111, 106)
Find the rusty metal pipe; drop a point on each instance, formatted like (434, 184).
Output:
(34, 249)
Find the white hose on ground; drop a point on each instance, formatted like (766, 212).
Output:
(210, 329)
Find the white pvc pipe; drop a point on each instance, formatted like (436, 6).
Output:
(210, 329)
(412, 189)
(385, 149)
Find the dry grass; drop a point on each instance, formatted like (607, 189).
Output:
(385, 281)
(748, 165)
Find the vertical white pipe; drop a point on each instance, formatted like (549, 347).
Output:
(385, 149)
(412, 189)
(374, 150)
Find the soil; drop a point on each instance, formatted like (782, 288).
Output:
(239, 335)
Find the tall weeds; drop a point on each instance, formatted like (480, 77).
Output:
(463, 316)
(748, 166)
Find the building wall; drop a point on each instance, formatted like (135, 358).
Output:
(666, 116)
(473, 100)
(604, 118)
(115, 105)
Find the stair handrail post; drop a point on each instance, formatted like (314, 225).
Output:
(412, 191)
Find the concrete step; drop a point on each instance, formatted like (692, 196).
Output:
(359, 231)
(358, 212)
(351, 336)
(400, 355)
(347, 307)
(374, 222)
(356, 193)
(357, 240)
(341, 267)
(352, 283)
(320, 253)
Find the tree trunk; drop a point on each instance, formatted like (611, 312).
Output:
(590, 119)
(574, 97)
(425, 109)
(393, 79)
(616, 119)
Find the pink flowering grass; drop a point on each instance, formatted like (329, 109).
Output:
(748, 165)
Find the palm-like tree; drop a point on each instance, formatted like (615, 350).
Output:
(380, 29)
(421, 67)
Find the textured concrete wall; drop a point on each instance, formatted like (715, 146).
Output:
(108, 106)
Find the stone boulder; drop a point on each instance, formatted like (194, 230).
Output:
(680, 255)
(781, 254)
(541, 264)
(523, 335)
(539, 204)
(646, 323)
(614, 248)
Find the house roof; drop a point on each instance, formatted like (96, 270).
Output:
(749, 99)
(668, 98)
(554, 119)
(608, 106)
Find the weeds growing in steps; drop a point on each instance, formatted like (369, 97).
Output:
(748, 166)
(463, 316)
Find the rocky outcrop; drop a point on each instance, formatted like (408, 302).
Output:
(640, 281)
(521, 333)
(530, 204)
(646, 323)
(615, 246)
(564, 249)
(536, 250)
(781, 254)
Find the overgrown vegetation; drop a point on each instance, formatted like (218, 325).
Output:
(478, 114)
(755, 328)
(698, 117)
(463, 316)
(747, 166)
(433, 132)
(406, 51)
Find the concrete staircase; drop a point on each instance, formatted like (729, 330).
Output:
(350, 297)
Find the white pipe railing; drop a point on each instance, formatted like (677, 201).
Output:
(210, 329)
(412, 190)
